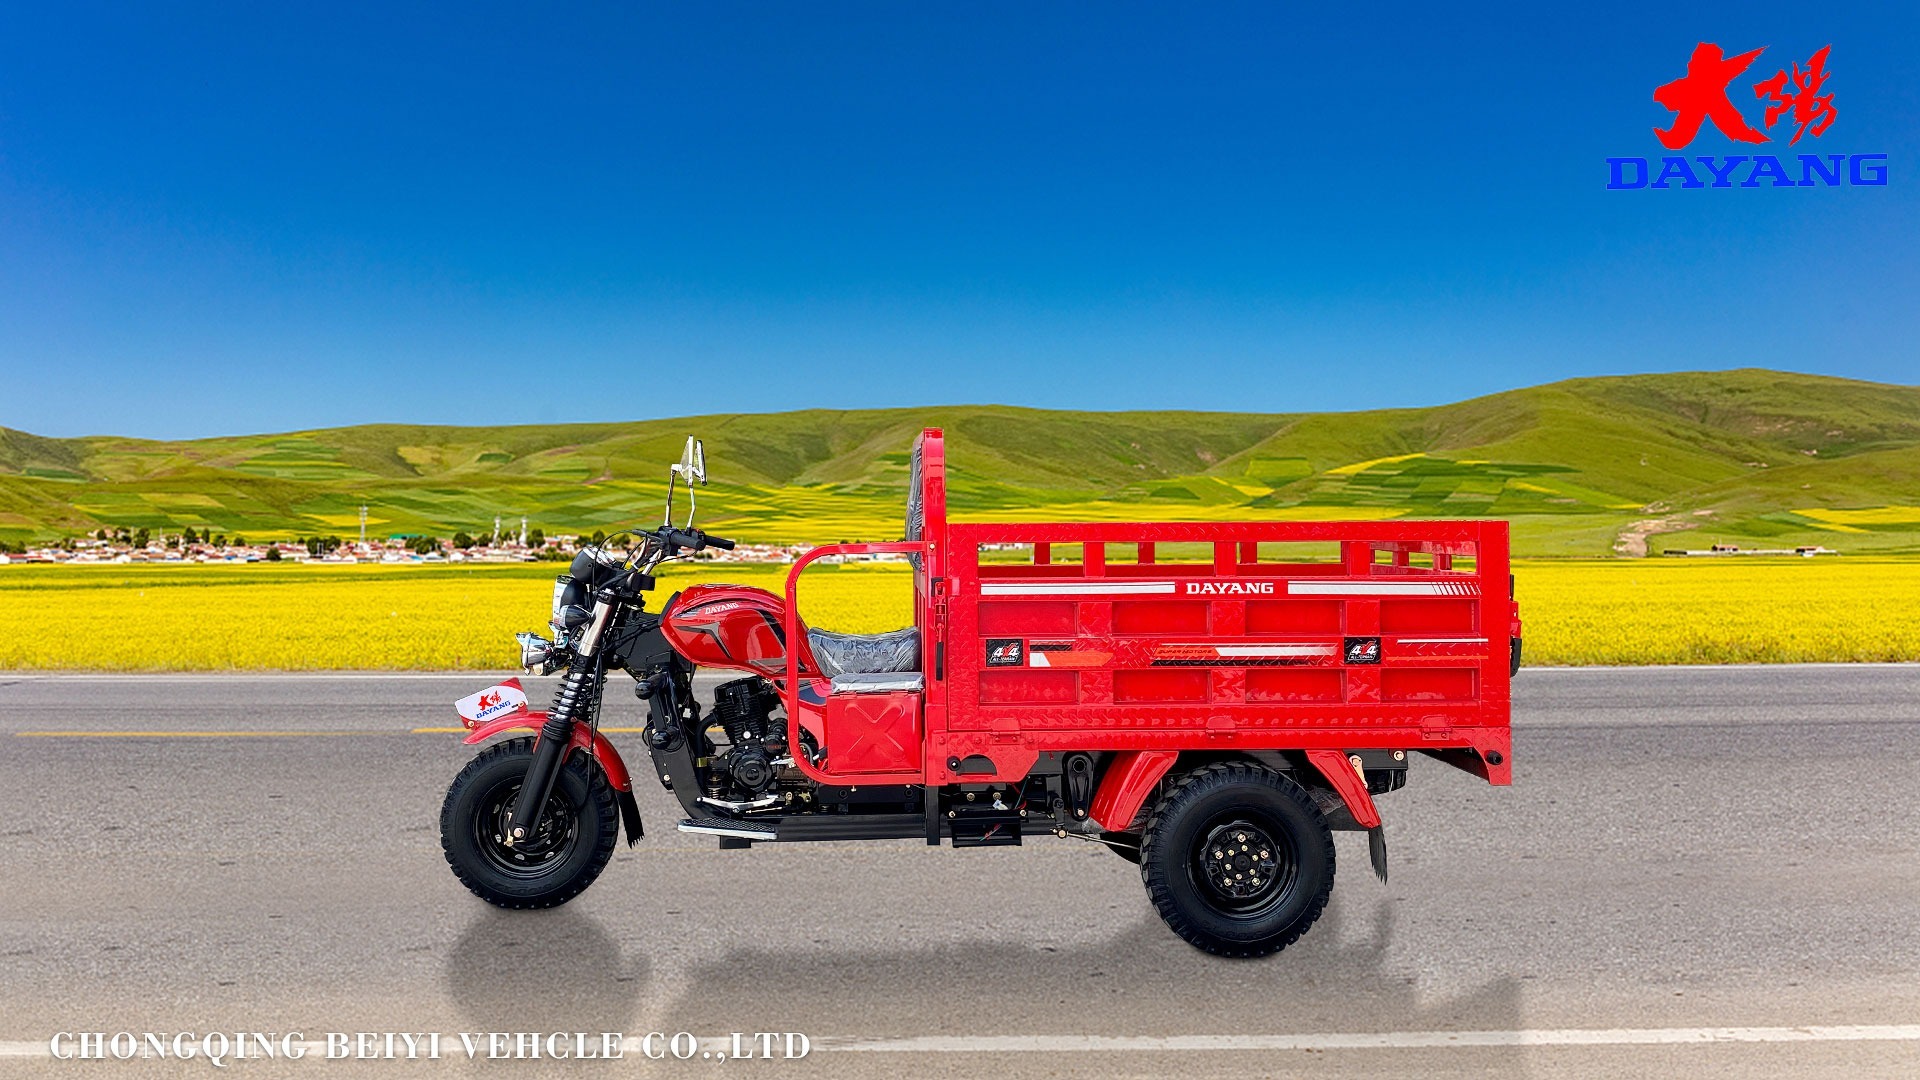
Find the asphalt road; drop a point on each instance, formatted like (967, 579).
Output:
(1687, 854)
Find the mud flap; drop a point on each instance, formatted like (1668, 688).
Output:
(1377, 850)
(630, 815)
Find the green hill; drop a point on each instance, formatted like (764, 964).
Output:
(1741, 456)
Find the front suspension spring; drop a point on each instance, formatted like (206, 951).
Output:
(577, 699)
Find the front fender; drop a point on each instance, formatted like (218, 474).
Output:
(584, 738)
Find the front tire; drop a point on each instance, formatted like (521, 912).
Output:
(572, 844)
(1238, 860)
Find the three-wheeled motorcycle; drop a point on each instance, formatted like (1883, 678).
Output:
(1209, 700)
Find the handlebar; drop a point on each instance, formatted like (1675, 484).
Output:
(692, 539)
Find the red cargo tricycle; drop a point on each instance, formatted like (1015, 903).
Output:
(1196, 696)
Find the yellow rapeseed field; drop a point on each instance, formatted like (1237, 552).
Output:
(265, 617)
(219, 618)
(1736, 610)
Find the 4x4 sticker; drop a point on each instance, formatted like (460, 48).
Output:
(1005, 652)
(1362, 650)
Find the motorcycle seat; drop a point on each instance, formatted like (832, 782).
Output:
(843, 654)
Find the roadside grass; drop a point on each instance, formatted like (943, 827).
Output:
(254, 618)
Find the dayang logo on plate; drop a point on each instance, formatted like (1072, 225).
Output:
(1794, 103)
(494, 701)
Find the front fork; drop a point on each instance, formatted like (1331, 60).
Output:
(578, 698)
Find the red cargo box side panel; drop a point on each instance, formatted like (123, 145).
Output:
(1400, 643)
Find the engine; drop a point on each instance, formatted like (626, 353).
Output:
(756, 743)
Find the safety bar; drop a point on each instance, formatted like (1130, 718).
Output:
(796, 640)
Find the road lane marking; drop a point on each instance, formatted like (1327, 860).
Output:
(265, 734)
(462, 731)
(1383, 1040)
(191, 734)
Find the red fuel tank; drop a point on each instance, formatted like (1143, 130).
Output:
(731, 626)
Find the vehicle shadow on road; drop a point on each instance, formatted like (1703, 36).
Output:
(1343, 976)
(557, 970)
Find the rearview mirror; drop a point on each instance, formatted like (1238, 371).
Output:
(693, 461)
(692, 468)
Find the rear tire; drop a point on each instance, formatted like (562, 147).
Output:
(1238, 860)
(575, 838)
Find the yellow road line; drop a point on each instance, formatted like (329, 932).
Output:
(188, 734)
(461, 730)
(258, 734)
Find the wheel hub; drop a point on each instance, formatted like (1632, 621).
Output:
(551, 838)
(1239, 861)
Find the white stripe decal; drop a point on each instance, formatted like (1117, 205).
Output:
(1050, 588)
(1442, 640)
(1037, 659)
(1380, 1040)
(1382, 588)
(1275, 650)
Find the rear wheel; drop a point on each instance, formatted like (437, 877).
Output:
(1238, 860)
(570, 846)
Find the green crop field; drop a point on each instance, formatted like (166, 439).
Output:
(1583, 468)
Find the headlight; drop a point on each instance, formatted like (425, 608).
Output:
(537, 654)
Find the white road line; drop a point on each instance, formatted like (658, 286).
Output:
(1384, 1040)
(10, 678)
(1380, 1040)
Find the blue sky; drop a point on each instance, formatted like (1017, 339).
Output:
(231, 218)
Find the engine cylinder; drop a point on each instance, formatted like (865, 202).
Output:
(742, 707)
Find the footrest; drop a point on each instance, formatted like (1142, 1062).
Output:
(744, 830)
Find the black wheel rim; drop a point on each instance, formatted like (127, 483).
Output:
(553, 839)
(1243, 864)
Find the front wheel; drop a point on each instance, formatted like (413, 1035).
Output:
(570, 846)
(1238, 860)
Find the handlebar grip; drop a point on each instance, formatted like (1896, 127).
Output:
(694, 539)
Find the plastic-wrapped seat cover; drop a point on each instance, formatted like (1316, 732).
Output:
(839, 654)
(879, 682)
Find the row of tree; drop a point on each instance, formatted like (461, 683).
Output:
(316, 546)
(141, 537)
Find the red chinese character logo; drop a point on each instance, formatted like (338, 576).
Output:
(1702, 96)
(1809, 105)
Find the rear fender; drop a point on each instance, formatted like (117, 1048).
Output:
(584, 738)
(1127, 783)
(1347, 783)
